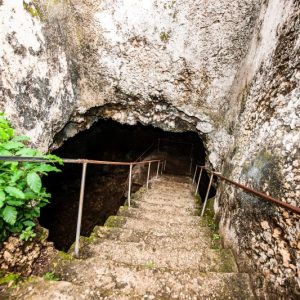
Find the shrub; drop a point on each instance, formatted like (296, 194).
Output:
(21, 191)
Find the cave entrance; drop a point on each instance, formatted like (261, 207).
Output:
(106, 186)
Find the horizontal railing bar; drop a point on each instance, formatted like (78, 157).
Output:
(266, 197)
(75, 161)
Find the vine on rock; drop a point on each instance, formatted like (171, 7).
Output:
(21, 191)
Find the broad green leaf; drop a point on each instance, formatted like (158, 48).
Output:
(2, 198)
(54, 158)
(9, 214)
(21, 191)
(4, 152)
(15, 202)
(21, 138)
(43, 203)
(34, 182)
(34, 213)
(46, 168)
(16, 176)
(30, 195)
(12, 164)
(13, 145)
(15, 192)
(29, 223)
(27, 152)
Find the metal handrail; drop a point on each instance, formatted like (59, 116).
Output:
(84, 163)
(263, 196)
(75, 161)
(139, 158)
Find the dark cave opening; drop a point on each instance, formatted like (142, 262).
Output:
(106, 186)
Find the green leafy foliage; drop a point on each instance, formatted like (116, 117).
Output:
(10, 278)
(21, 191)
(50, 276)
(27, 234)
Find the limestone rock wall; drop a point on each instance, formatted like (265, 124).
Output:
(228, 70)
(265, 154)
(166, 63)
(36, 89)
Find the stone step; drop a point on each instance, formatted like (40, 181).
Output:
(156, 249)
(182, 188)
(141, 254)
(151, 215)
(146, 237)
(162, 228)
(166, 209)
(176, 197)
(118, 283)
(169, 180)
(148, 202)
(138, 281)
(173, 209)
(165, 187)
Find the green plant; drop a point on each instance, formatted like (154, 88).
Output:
(27, 234)
(149, 265)
(10, 278)
(21, 191)
(216, 237)
(165, 36)
(50, 276)
(33, 10)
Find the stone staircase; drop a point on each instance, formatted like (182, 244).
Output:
(156, 249)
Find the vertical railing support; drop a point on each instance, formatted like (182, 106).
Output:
(79, 218)
(129, 185)
(195, 174)
(207, 193)
(148, 175)
(198, 182)
(162, 167)
(158, 165)
(165, 165)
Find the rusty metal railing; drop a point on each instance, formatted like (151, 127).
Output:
(161, 163)
(261, 195)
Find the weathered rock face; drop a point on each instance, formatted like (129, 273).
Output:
(166, 63)
(265, 154)
(35, 85)
(226, 69)
(26, 258)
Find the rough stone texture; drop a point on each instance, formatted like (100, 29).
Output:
(36, 91)
(226, 69)
(167, 260)
(265, 154)
(26, 258)
(166, 63)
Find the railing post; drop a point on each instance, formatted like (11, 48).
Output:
(165, 165)
(148, 175)
(198, 182)
(162, 167)
(207, 193)
(195, 174)
(158, 164)
(129, 184)
(79, 218)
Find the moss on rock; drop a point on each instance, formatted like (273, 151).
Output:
(115, 221)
